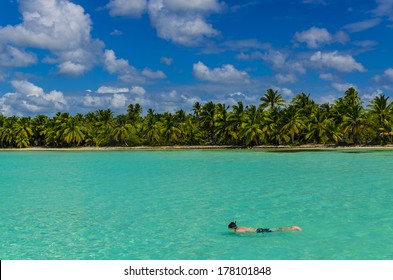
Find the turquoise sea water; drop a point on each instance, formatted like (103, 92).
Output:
(177, 204)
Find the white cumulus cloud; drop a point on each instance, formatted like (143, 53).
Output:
(138, 90)
(114, 98)
(367, 97)
(166, 60)
(29, 98)
(118, 101)
(316, 37)
(153, 74)
(342, 87)
(386, 77)
(286, 69)
(326, 76)
(286, 78)
(179, 21)
(183, 22)
(121, 67)
(389, 74)
(280, 62)
(334, 60)
(225, 74)
(62, 28)
(126, 72)
(127, 8)
(108, 89)
(14, 57)
(195, 5)
(70, 68)
(93, 101)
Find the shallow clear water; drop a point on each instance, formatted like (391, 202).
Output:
(177, 204)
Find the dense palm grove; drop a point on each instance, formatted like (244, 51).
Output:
(273, 122)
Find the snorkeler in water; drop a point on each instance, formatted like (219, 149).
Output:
(241, 229)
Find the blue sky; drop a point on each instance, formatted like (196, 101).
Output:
(79, 56)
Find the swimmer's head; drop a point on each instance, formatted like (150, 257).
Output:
(232, 225)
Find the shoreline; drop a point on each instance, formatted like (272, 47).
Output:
(309, 147)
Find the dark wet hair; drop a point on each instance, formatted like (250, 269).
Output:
(232, 225)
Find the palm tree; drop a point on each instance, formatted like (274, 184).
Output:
(39, 126)
(270, 126)
(152, 133)
(51, 134)
(221, 110)
(301, 100)
(251, 130)
(305, 103)
(380, 108)
(272, 99)
(354, 122)
(327, 109)
(334, 132)
(207, 120)
(101, 126)
(343, 104)
(180, 119)
(23, 131)
(351, 97)
(170, 129)
(7, 131)
(193, 134)
(151, 129)
(122, 130)
(72, 130)
(317, 128)
(235, 120)
(2, 121)
(134, 112)
(222, 132)
(293, 122)
(380, 116)
(387, 130)
(197, 109)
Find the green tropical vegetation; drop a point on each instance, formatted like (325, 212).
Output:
(348, 121)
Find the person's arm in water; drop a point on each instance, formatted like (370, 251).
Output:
(286, 228)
